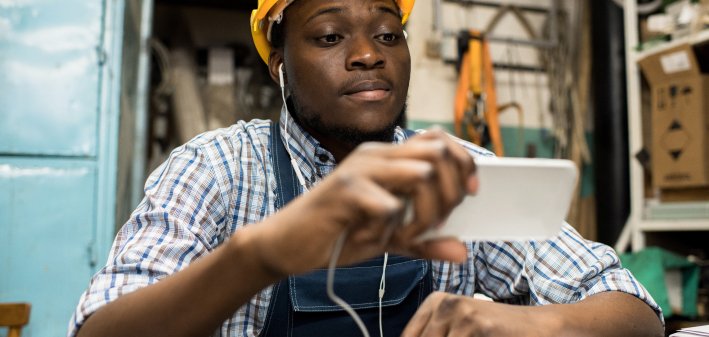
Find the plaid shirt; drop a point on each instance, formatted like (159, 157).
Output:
(223, 180)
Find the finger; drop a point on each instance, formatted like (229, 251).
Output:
(399, 175)
(420, 320)
(473, 184)
(375, 208)
(426, 210)
(449, 185)
(415, 148)
(462, 156)
(447, 189)
(454, 168)
(449, 178)
(434, 199)
(435, 147)
(447, 249)
(464, 159)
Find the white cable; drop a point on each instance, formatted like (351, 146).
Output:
(340, 240)
(293, 163)
(382, 287)
(331, 280)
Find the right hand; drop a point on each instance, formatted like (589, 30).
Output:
(364, 196)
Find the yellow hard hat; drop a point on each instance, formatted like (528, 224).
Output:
(270, 11)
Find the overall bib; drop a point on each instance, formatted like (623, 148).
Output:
(299, 305)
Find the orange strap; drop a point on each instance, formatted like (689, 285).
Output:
(477, 82)
(461, 95)
(491, 112)
(475, 48)
(468, 92)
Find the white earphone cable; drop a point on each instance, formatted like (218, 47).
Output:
(293, 163)
(339, 244)
(382, 287)
(331, 284)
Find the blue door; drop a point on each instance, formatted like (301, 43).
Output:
(46, 237)
(59, 83)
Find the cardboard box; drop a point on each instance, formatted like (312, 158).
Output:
(680, 118)
(689, 194)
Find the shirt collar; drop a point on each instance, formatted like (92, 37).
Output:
(314, 161)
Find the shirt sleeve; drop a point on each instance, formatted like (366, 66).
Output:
(564, 269)
(178, 221)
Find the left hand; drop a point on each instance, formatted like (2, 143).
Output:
(443, 314)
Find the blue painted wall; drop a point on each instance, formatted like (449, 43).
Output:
(46, 241)
(49, 87)
(59, 82)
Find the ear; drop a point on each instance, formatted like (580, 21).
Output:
(275, 59)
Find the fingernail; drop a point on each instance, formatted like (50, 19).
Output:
(473, 184)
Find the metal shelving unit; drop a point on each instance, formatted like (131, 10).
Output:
(649, 215)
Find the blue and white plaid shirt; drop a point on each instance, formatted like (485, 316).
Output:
(223, 180)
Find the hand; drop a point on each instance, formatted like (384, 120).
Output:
(364, 197)
(443, 314)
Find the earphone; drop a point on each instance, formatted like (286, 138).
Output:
(293, 163)
(341, 239)
(280, 76)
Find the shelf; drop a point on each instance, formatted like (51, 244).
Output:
(677, 210)
(678, 216)
(648, 216)
(673, 225)
(693, 39)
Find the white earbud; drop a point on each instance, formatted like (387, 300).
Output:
(280, 75)
(406, 35)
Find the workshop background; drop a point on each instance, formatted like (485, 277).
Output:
(95, 94)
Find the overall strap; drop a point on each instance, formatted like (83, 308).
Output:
(282, 321)
(279, 315)
(287, 188)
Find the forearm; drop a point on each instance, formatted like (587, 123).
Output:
(607, 314)
(192, 302)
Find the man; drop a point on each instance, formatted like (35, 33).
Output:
(206, 253)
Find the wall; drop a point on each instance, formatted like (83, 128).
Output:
(59, 64)
(433, 82)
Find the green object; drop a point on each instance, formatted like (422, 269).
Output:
(649, 267)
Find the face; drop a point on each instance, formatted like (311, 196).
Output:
(347, 68)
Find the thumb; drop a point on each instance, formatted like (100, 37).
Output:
(446, 249)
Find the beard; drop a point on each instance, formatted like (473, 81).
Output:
(345, 134)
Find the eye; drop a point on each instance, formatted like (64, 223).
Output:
(388, 37)
(330, 38)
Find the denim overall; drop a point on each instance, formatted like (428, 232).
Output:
(299, 305)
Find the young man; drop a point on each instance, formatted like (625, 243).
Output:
(207, 253)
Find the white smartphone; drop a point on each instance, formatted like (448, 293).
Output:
(518, 199)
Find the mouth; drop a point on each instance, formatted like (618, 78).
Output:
(368, 90)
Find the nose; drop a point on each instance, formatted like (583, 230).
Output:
(364, 53)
